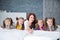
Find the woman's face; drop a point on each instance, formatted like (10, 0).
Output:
(49, 22)
(31, 18)
(7, 22)
(40, 23)
(20, 21)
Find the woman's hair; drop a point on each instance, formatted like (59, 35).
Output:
(54, 23)
(28, 16)
(34, 22)
(18, 23)
(10, 19)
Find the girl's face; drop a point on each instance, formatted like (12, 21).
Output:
(20, 21)
(40, 23)
(31, 18)
(7, 22)
(49, 22)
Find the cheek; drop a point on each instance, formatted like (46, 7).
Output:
(20, 22)
(50, 23)
(31, 19)
(40, 23)
(7, 23)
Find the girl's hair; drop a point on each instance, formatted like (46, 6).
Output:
(19, 18)
(18, 23)
(54, 23)
(34, 22)
(10, 19)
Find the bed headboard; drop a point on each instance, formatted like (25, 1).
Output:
(12, 15)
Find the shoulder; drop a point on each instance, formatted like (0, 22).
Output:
(26, 21)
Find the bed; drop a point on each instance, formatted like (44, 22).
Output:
(13, 34)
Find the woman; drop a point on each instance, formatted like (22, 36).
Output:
(30, 22)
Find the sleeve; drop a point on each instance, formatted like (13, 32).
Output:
(25, 24)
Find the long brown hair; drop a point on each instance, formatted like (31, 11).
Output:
(54, 23)
(34, 22)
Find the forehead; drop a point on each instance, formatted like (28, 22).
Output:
(21, 19)
(7, 20)
(40, 20)
(49, 19)
(31, 15)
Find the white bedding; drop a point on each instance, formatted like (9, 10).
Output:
(14, 34)
(37, 38)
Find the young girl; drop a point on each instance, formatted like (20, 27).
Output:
(50, 24)
(8, 23)
(40, 25)
(20, 23)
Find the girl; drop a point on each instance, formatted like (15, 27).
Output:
(30, 22)
(40, 25)
(50, 24)
(20, 23)
(8, 23)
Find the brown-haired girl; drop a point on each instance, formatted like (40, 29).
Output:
(50, 24)
(8, 23)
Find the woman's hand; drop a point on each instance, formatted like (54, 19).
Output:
(29, 30)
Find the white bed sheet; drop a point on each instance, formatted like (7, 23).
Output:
(14, 34)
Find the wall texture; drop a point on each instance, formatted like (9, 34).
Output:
(51, 8)
(27, 6)
(42, 8)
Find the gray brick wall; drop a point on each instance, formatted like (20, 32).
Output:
(27, 6)
(42, 8)
(51, 8)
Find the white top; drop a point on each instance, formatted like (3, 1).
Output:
(26, 24)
